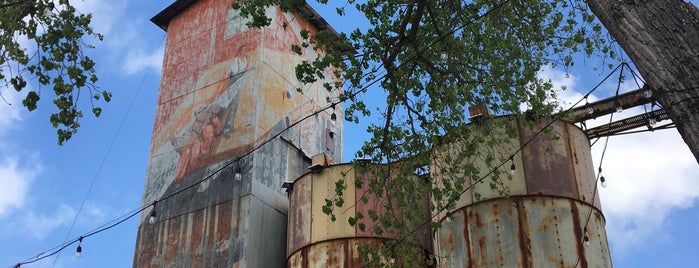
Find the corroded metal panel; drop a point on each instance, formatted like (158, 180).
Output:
(451, 241)
(299, 231)
(334, 253)
(583, 166)
(500, 183)
(548, 165)
(493, 229)
(534, 231)
(322, 227)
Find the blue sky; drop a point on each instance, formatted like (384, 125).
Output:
(650, 205)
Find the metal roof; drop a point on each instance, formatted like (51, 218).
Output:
(163, 18)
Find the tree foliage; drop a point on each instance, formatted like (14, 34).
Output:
(43, 44)
(433, 59)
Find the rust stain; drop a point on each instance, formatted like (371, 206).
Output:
(578, 230)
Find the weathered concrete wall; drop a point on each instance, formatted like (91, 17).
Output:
(542, 217)
(224, 90)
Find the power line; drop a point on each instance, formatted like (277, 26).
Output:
(273, 137)
(109, 150)
(456, 199)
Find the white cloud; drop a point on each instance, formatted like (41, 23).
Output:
(650, 175)
(38, 226)
(138, 60)
(16, 180)
(11, 109)
(104, 13)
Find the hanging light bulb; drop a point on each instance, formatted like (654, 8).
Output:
(652, 121)
(333, 116)
(238, 174)
(513, 170)
(48, 10)
(603, 181)
(618, 108)
(152, 218)
(590, 110)
(79, 250)
(447, 219)
(647, 94)
(444, 55)
(586, 239)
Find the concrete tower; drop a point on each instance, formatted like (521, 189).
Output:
(217, 158)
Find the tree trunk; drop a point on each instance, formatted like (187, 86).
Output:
(662, 39)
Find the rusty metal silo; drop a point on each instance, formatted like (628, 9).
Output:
(546, 218)
(315, 241)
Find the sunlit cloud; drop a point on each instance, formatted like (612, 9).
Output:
(650, 175)
(11, 109)
(139, 60)
(38, 225)
(16, 179)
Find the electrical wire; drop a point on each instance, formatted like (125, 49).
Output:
(493, 170)
(315, 113)
(109, 150)
(599, 167)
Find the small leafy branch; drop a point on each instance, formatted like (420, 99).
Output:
(44, 43)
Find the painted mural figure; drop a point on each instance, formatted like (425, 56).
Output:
(198, 140)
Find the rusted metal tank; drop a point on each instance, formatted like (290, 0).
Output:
(316, 241)
(550, 214)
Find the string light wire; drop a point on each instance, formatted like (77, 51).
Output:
(135, 212)
(498, 166)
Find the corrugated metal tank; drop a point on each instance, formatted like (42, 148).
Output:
(542, 221)
(313, 240)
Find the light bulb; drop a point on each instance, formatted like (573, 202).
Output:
(587, 240)
(333, 118)
(447, 219)
(652, 121)
(647, 94)
(513, 170)
(393, 260)
(590, 110)
(619, 109)
(152, 218)
(603, 181)
(48, 10)
(238, 175)
(444, 55)
(78, 252)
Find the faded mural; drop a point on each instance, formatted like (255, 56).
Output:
(224, 90)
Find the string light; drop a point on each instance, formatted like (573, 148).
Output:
(79, 250)
(590, 110)
(618, 108)
(315, 113)
(447, 219)
(48, 10)
(648, 94)
(153, 217)
(652, 121)
(586, 238)
(603, 181)
(513, 170)
(238, 174)
(333, 117)
(444, 55)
